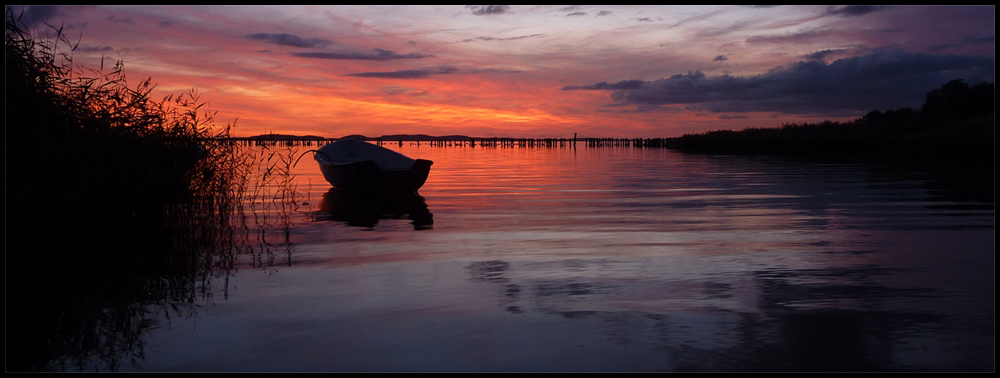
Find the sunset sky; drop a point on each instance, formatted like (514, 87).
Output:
(534, 71)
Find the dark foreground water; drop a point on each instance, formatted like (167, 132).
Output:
(604, 259)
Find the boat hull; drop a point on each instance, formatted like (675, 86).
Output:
(366, 177)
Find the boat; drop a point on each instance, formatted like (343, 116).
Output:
(361, 167)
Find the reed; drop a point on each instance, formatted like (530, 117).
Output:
(268, 198)
(121, 208)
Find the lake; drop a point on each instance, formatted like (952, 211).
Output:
(602, 259)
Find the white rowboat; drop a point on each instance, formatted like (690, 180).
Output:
(358, 166)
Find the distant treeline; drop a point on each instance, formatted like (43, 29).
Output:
(955, 124)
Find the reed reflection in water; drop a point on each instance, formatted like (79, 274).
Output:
(87, 298)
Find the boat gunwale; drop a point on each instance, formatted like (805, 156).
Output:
(323, 158)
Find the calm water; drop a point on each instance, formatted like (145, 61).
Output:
(606, 259)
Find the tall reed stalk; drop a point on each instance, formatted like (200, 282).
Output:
(120, 208)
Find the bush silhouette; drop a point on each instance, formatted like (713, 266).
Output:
(957, 100)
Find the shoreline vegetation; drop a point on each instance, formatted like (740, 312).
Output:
(955, 125)
(121, 209)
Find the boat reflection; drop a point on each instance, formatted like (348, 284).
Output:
(361, 210)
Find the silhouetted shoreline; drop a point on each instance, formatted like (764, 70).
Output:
(956, 124)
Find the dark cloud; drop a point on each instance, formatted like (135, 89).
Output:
(286, 39)
(34, 14)
(425, 72)
(88, 49)
(408, 74)
(726, 116)
(126, 20)
(603, 13)
(941, 46)
(166, 24)
(853, 10)
(500, 39)
(822, 54)
(481, 10)
(638, 109)
(398, 91)
(577, 14)
(720, 58)
(495, 71)
(979, 39)
(845, 87)
(966, 41)
(570, 8)
(645, 19)
(377, 55)
(621, 85)
(786, 38)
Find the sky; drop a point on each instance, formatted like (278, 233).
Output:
(532, 71)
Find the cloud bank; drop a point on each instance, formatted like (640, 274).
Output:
(376, 55)
(486, 39)
(425, 72)
(286, 39)
(482, 10)
(845, 87)
(408, 74)
(822, 54)
(854, 10)
(34, 14)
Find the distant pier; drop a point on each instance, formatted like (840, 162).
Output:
(470, 142)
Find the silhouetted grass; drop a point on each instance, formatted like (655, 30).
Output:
(116, 205)
(268, 201)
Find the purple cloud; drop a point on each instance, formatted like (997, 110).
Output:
(500, 39)
(425, 72)
(854, 10)
(286, 39)
(845, 87)
(376, 55)
(34, 14)
(407, 74)
(483, 10)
